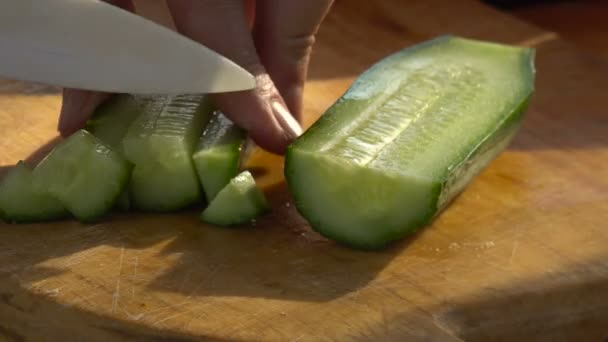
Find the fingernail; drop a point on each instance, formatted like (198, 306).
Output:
(289, 124)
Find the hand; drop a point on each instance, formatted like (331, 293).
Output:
(272, 39)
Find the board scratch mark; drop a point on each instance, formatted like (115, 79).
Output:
(155, 311)
(439, 323)
(116, 294)
(159, 321)
(513, 251)
(131, 316)
(134, 276)
(85, 300)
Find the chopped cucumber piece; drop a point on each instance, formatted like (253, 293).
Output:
(110, 123)
(237, 203)
(160, 142)
(84, 174)
(407, 137)
(113, 118)
(218, 154)
(22, 201)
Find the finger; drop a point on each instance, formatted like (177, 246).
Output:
(128, 5)
(77, 105)
(222, 25)
(284, 36)
(76, 109)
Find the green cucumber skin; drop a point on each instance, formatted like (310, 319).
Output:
(442, 191)
(458, 177)
(33, 206)
(218, 156)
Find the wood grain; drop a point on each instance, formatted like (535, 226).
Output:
(520, 255)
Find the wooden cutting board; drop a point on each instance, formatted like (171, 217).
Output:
(523, 253)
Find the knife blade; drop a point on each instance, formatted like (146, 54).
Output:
(88, 44)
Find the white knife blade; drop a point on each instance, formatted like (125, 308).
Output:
(88, 44)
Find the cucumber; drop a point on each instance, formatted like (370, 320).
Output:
(84, 174)
(113, 118)
(160, 142)
(21, 201)
(237, 203)
(110, 123)
(218, 154)
(407, 137)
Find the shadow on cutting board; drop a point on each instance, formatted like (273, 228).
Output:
(280, 258)
(565, 306)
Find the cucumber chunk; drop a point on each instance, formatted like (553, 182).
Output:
(84, 174)
(113, 118)
(160, 142)
(22, 201)
(237, 203)
(110, 123)
(407, 137)
(218, 154)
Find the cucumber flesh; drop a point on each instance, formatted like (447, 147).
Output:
(113, 118)
(237, 203)
(110, 123)
(407, 137)
(22, 201)
(218, 154)
(84, 174)
(160, 142)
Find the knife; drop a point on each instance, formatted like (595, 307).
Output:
(88, 44)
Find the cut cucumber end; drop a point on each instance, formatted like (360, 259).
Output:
(112, 119)
(21, 201)
(357, 206)
(407, 137)
(160, 143)
(85, 175)
(218, 154)
(237, 203)
(216, 167)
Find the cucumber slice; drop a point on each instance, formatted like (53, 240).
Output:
(218, 154)
(110, 124)
(84, 174)
(407, 137)
(113, 118)
(22, 201)
(160, 142)
(237, 203)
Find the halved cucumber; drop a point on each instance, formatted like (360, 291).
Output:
(237, 203)
(160, 142)
(407, 137)
(84, 174)
(22, 201)
(110, 123)
(218, 154)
